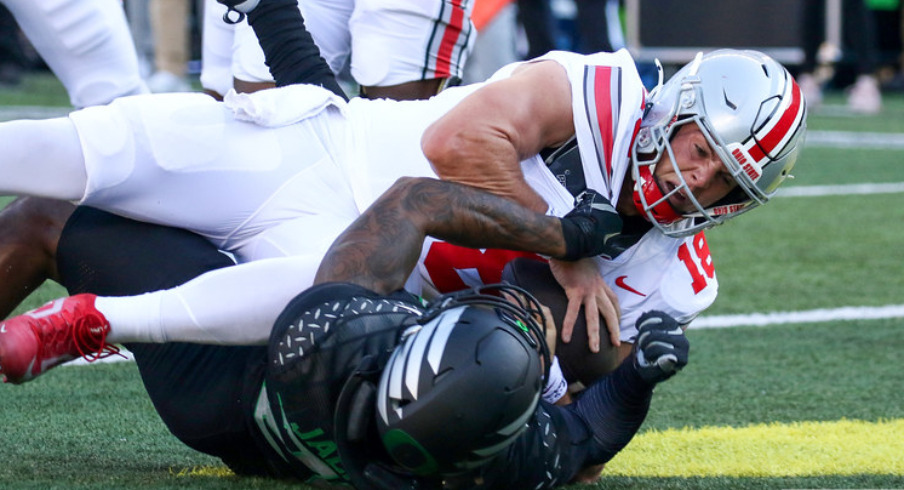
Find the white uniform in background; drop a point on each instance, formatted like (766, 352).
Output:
(380, 42)
(87, 44)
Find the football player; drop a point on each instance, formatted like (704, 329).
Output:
(362, 383)
(295, 165)
(88, 46)
(31, 225)
(399, 49)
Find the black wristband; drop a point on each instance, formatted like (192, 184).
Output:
(591, 228)
(575, 232)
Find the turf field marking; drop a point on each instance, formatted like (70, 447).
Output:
(843, 447)
(849, 140)
(208, 471)
(841, 190)
(32, 112)
(805, 316)
(855, 139)
(125, 357)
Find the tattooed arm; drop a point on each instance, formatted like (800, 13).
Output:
(380, 249)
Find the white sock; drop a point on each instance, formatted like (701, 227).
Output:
(132, 318)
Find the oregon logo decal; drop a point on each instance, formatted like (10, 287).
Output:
(407, 452)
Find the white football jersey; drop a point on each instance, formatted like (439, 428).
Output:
(673, 275)
(379, 42)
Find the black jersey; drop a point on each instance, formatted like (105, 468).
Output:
(271, 410)
(319, 341)
(329, 332)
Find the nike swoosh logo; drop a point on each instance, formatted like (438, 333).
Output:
(3, 328)
(620, 282)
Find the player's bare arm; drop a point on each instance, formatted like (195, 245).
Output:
(383, 245)
(482, 141)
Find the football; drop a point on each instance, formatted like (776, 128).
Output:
(578, 363)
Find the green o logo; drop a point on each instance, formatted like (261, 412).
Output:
(408, 453)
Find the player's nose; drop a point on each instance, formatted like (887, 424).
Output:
(701, 175)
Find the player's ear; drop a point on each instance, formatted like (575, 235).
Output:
(578, 362)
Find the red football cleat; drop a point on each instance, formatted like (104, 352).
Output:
(48, 336)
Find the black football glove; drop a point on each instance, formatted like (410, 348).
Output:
(589, 229)
(236, 9)
(661, 348)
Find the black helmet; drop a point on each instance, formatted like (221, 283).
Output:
(462, 385)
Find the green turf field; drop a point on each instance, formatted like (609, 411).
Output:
(799, 405)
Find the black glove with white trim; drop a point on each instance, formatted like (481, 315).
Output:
(661, 348)
(590, 227)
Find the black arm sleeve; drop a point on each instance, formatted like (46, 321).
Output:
(614, 409)
(288, 47)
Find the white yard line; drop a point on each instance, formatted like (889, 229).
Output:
(841, 190)
(855, 139)
(821, 315)
(82, 362)
(32, 112)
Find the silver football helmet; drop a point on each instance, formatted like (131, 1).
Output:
(753, 115)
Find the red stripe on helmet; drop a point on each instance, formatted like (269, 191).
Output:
(766, 145)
